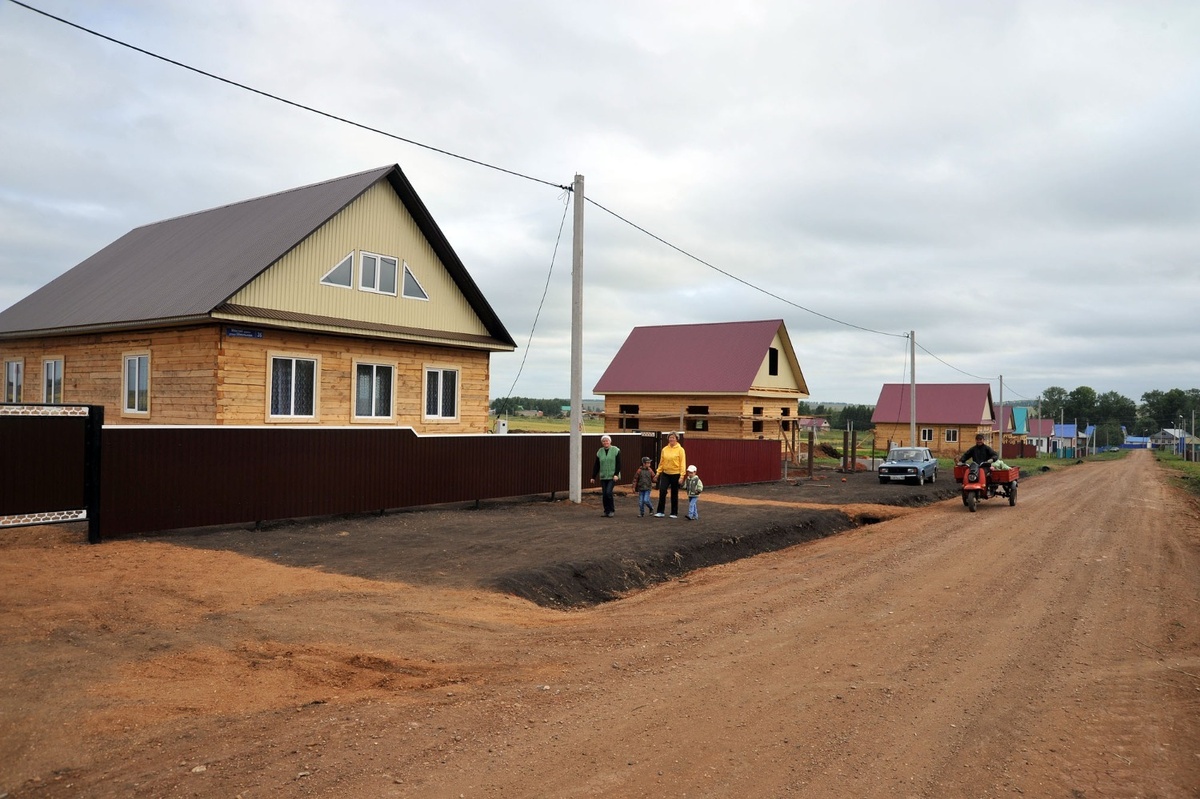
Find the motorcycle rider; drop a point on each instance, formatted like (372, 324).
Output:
(981, 453)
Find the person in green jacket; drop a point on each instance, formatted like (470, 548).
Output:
(607, 469)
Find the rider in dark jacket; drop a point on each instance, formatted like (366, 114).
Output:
(980, 453)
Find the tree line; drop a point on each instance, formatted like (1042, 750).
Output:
(1115, 415)
(510, 405)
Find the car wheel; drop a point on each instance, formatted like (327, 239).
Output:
(933, 477)
(921, 479)
(883, 481)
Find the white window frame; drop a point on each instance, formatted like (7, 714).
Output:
(379, 259)
(951, 435)
(140, 392)
(374, 416)
(926, 434)
(325, 281)
(423, 296)
(294, 358)
(439, 413)
(14, 379)
(52, 368)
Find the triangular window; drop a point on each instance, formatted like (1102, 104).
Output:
(412, 289)
(342, 274)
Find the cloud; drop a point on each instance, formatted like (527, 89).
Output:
(1013, 181)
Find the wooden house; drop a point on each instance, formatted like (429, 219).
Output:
(338, 303)
(949, 415)
(718, 380)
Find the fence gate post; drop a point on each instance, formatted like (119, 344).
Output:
(93, 429)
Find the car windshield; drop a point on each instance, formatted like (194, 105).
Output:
(907, 455)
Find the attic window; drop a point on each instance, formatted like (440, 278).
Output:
(412, 289)
(378, 274)
(773, 361)
(342, 274)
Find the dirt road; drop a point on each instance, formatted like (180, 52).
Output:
(1050, 649)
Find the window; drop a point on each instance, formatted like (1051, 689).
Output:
(373, 391)
(926, 434)
(628, 417)
(293, 387)
(773, 361)
(412, 289)
(756, 426)
(136, 384)
(441, 393)
(378, 274)
(12, 380)
(951, 435)
(342, 274)
(785, 425)
(52, 379)
(697, 424)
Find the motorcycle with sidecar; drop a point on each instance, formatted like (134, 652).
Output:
(980, 482)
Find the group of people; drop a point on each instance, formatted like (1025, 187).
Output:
(673, 473)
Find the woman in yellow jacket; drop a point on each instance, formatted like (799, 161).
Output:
(672, 463)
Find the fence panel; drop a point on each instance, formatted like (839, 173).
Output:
(162, 478)
(721, 461)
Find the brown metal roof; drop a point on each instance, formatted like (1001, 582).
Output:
(720, 357)
(937, 403)
(186, 267)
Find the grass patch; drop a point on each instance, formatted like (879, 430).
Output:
(1185, 474)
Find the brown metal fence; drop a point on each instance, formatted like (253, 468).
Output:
(162, 478)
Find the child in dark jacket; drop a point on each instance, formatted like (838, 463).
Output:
(643, 481)
(693, 486)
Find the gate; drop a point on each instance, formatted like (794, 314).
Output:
(50, 467)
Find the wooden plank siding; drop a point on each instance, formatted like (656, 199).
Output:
(729, 416)
(199, 376)
(898, 435)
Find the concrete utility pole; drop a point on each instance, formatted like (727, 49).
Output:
(575, 490)
(912, 390)
(1003, 419)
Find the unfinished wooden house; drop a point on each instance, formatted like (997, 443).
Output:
(718, 380)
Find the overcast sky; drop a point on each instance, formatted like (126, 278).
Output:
(1018, 182)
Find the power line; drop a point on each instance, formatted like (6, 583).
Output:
(562, 223)
(284, 100)
(477, 162)
(731, 276)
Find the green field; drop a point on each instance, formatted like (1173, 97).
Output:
(546, 424)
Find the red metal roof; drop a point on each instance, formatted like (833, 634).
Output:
(937, 403)
(719, 357)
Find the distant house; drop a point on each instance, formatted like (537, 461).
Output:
(1068, 441)
(1040, 434)
(719, 380)
(1172, 439)
(949, 415)
(336, 303)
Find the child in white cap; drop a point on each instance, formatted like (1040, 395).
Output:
(693, 486)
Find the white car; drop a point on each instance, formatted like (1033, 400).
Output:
(909, 464)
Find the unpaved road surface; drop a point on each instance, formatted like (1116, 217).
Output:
(1051, 649)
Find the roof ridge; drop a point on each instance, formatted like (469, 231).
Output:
(378, 171)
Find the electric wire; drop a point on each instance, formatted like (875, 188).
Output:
(731, 276)
(284, 100)
(485, 165)
(562, 224)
